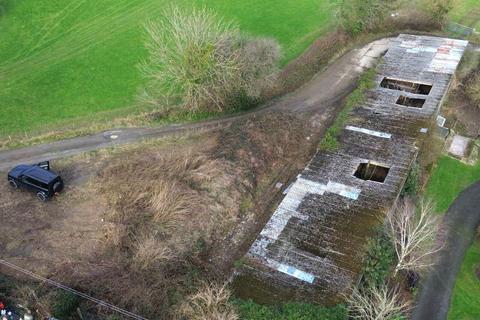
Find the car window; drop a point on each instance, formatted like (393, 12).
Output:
(36, 183)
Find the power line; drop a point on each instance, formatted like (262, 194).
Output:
(73, 291)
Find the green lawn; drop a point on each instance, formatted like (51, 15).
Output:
(448, 179)
(66, 60)
(465, 303)
(467, 12)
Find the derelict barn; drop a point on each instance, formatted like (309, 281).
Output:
(313, 245)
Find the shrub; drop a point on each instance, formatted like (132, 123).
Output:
(204, 62)
(250, 310)
(357, 16)
(6, 286)
(65, 305)
(379, 260)
(413, 180)
(438, 9)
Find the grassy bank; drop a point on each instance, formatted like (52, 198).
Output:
(466, 12)
(449, 178)
(66, 61)
(464, 304)
(249, 310)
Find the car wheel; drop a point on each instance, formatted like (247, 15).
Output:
(41, 196)
(13, 184)
(57, 187)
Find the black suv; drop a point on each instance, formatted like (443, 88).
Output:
(38, 178)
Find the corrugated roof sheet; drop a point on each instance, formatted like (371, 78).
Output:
(314, 243)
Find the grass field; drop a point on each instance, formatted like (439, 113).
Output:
(449, 178)
(465, 301)
(467, 12)
(66, 60)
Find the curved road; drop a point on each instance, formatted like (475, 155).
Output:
(461, 222)
(322, 94)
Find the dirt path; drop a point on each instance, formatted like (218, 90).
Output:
(461, 221)
(320, 95)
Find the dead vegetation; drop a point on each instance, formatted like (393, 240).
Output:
(165, 218)
(473, 90)
(168, 209)
(463, 103)
(210, 302)
(162, 202)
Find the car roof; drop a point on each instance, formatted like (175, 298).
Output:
(36, 173)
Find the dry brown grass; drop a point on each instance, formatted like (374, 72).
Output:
(166, 216)
(210, 302)
(169, 207)
(149, 251)
(473, 90)
(160, 196)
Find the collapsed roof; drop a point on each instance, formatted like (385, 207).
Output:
(314, 244)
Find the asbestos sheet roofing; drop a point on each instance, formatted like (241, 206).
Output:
(314, 244)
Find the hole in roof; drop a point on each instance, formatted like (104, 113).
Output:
(312, 249)
(369, 171)
(406, 86)
(410, 102)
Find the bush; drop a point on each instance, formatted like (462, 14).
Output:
(6, 286)
(65, 305)
(379, 260)
(412, 183)
(249, 310)
(438, 9)
(205, 63)
(357, 16)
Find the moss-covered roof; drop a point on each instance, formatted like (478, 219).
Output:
(314, 243)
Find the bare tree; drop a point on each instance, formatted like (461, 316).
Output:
(413, 233)
(376, 303)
